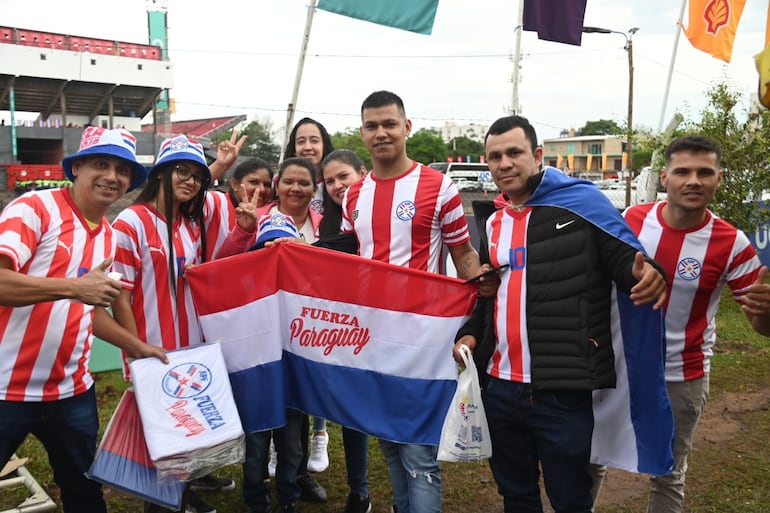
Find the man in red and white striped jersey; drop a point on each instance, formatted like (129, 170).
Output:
(402, 213)
(700, 254)
(55, 247)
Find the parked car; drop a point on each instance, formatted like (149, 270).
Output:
(489, 187)
(463, 184)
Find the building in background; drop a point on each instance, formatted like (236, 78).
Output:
(594, 157)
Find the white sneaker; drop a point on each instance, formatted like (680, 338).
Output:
(273, 460)
(318, 461)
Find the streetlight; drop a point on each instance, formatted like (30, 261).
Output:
(629, 48)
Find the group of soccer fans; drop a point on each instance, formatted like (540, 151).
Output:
(541, 329)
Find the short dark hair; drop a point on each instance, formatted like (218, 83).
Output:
(507, 123)
(382, 99)
(298, 161)
(326, 140)
(693, 143)
(249, 166)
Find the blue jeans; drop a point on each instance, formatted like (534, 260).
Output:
(67, 429)
(415, 476)
(356, 446)
(256, 484)
(549, 427)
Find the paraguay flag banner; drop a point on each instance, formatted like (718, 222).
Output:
(633, 422)
(360, 342)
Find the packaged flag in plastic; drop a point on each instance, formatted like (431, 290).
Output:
(188, 413)
(122, 461)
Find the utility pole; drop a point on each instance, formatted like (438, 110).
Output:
(629, 48)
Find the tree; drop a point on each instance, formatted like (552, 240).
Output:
(602, 127)
(466, 147)
(260, 141)
(744, 139)
(351, 140)
(426, 146)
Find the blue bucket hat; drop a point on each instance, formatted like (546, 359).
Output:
(118, 143)
(274, 226)
(180, 147)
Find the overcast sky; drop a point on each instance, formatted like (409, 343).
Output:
(240, 56)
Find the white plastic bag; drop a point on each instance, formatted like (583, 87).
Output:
(465, 434)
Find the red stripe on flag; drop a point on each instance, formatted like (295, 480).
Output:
(232, 282)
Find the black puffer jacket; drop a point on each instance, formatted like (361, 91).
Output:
(569, 278)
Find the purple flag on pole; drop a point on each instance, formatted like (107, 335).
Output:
(560, 21)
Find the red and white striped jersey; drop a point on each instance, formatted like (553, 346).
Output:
(405, 220)
(698, 263)
(164, 316)
(45, 347)
(507, 236)
(219, 216)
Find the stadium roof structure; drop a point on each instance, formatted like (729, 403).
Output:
(50, 73)
(47, 95)
(208, 128)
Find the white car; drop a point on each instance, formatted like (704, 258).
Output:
(463, 185)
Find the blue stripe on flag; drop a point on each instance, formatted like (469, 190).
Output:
(409, 410)
(650, 409)
(260, 396)
(135, 479)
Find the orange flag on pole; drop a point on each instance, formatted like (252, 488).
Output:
(713, 24)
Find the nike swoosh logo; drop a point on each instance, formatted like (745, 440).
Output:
(559, 226)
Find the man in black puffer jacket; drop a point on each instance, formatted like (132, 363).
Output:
(548, 330)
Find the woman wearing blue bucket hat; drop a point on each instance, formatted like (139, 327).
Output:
(159, 236)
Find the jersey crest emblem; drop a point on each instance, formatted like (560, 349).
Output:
(406, 210)
(689, 269)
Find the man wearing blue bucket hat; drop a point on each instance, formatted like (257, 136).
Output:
(55, 249)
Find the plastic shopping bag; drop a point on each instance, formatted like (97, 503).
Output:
(465, 434)
(188, 413)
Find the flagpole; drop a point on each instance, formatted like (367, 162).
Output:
(298, 77)
(671, 66)
(517, 59)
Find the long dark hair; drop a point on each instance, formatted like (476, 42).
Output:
(192, 210)
(246, 167)
(332, 219)
(291, 145)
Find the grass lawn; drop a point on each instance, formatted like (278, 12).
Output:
(729, 476)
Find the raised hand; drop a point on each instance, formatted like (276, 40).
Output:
(246, 211)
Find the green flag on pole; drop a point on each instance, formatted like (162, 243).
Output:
(412, 15)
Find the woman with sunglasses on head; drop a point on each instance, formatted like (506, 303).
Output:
(159, 236)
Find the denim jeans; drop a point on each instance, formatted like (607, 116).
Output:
(67, 429)
(319, 424)
(549, 427)
(356, 446)
(415, 476)
(688, 399)
(256, 487)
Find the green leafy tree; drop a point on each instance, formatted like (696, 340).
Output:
(351, 140)
(602, 127)
(426, 146)
(260, 141)
(466, 147)
(744, 138)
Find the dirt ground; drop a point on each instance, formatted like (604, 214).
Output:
(720, 422)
